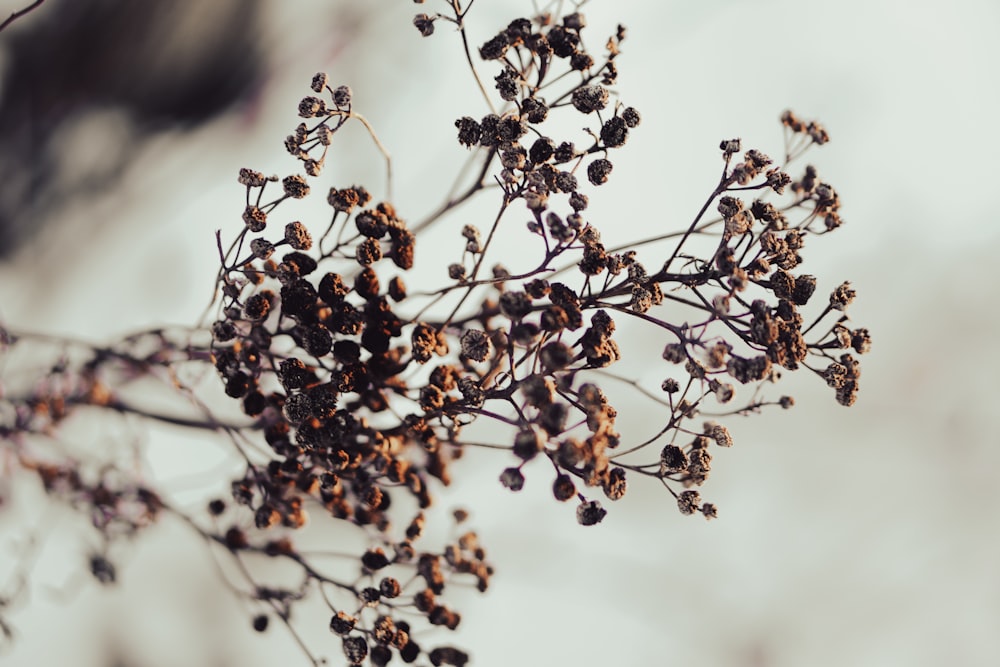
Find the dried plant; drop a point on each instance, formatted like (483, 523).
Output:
(356, 391)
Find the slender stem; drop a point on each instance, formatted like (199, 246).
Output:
(459, 19)
(18, 14)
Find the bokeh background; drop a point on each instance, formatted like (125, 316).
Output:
(863, 537)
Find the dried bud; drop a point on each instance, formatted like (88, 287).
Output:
(297, 236)
(513, 479)
(590, 513)
(342, 97)
(588, 99)
(318, 82)
(598, 171)
(425, 24)
(721, 436)
(842, 297)
(475, 344)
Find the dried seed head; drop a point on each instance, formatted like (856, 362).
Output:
(842, 297)
(475, 344)
(425, 24)
(342, 97)
(614, 132)
(721, 436)
(261, 248)
(297, 236)
(672, 460)
(295, 186)
(563, 488)
(590, 513)
(528, 443)
(260, 623)
(355, 649)
(318, 82)
(599, 170)
(251, 178)
(469, 131)
(254, 218)
(588, 99)
(311, 107)
(631, 117)
(512, 478)
(257, 307)
(688, 502)
(675, 353)
(615, 485)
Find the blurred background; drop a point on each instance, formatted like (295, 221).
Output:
(867, 536)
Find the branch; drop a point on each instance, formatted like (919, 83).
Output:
(16, 15)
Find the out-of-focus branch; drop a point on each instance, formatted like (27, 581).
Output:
(18, 14)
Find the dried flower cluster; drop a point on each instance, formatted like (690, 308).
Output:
(361, 391)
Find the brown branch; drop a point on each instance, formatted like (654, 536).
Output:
(18, 14)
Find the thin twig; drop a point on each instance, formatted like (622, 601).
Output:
(18, 14)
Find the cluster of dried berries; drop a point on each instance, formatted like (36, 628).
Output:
(357, 393)
(312, 346)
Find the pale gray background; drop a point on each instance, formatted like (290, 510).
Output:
(863, 537)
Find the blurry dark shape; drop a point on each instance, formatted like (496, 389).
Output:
(103, 569)
(83, 81)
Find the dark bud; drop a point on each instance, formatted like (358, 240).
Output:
(590, 513)
(510, 129)
(513, 479)
(541, 150)
(410, 652)
(390, 588)
(535, 110)
(293, 373)
(563, 41)
(614, 132)
(342, 623)
(581, 61)
(257, 307)
(223, 331)
(588, 99)
(469, 131)
(317, 340)
(495, 48)
(425, 24)
(372, 224)
(598, 171)
(507, 85)
(367, 284)
(332, 288)
(673, 459)
(563, 488)
(631, 117)
(447, 655)
(356, 649)
(298, 298)
(102, 569)
(238, 385)
(803, 290)
(295, 186)
(565, 152)
(528, 443)
(374, 559)
(381, 655)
